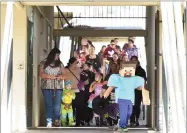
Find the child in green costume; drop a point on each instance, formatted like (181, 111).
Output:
(66, 107)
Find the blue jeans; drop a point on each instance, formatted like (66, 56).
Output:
(52, 104)
(125, 111)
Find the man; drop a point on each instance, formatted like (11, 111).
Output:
(109, 51)
(129, 49)
(116, 41)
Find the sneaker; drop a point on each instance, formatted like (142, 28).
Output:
(110, 128)
(49, 125)
(132, 124)
(125, 130)
(115, 128)
(137, 124)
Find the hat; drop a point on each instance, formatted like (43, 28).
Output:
(100, 105)
(68, 83)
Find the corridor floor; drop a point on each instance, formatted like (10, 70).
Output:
(86, 131)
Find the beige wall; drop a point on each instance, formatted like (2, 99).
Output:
(19, 73)
(3, 14)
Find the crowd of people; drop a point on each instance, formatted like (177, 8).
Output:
(69, 90)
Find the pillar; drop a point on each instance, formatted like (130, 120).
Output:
(19, 69)
(150, 27)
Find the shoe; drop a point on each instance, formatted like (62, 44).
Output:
(49, 125)
(56, 123)
(110, 128)
(115, 128)
(71, 123)
(125, 129)
(97, 121)
(88, 124)
(132, 124)
(137, 124)
(82, 123)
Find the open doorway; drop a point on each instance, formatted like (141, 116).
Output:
(70, 42)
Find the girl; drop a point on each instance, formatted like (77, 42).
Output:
(96, 87)
(113, 111)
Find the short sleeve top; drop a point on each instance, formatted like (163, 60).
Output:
(50, 70)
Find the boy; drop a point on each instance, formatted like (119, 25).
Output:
(125, 82)
(66, 107)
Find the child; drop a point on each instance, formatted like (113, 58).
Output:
(125, 83)
(66, 107)
(96, 87)
(113, 109)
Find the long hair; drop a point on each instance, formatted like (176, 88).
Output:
(71, 61)
(110, 70)
(102, 76)
(51, 58)
(135, 57)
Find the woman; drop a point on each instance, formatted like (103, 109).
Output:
(73, 71)
(94, 59)
(101, 54)
(115, 60)
(138, 94)
(52, 76)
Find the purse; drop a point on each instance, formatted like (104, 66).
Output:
(80, 84)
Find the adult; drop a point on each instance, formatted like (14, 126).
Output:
(116, 40)
(52, 76)
(115, 60)
(130, 48)
(118, 50)
(138, 93)
(101, 53)
(110, 51)
(93, 59)
(73, 72)
(85, 49)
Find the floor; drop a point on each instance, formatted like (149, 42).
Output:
(86, 131)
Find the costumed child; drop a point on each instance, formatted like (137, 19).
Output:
(66, 107)
(96, 90)
(125, 83)
(113, 108)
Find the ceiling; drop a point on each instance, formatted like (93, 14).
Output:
(93, 3)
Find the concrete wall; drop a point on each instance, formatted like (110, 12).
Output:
(40, 52)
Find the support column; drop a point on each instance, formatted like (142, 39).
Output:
(150, 26)
(19, 70)
(186, 58)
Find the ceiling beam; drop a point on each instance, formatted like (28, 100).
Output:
(99, 32)
(94, 3)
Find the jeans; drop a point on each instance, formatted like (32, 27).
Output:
(52, 104)
(125, 110)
